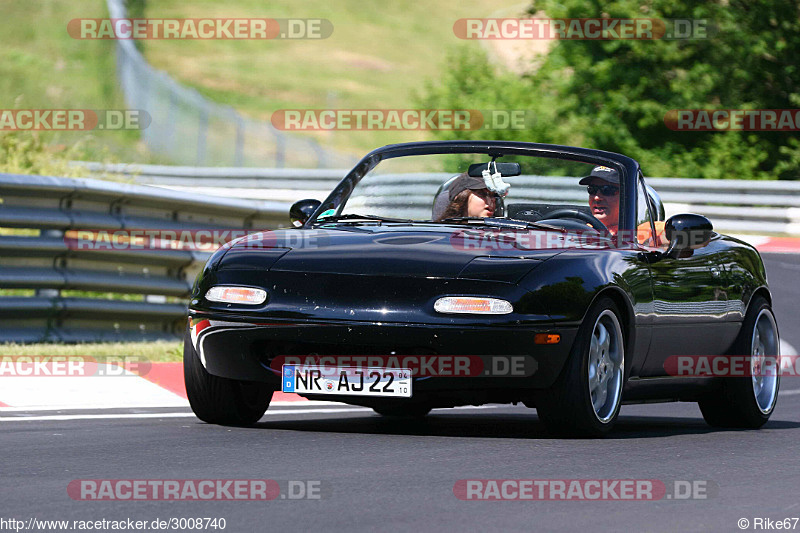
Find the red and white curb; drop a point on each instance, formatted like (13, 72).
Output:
(764, 244)
(161, 386)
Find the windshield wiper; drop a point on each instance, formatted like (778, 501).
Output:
(502, 222)
(352, 217)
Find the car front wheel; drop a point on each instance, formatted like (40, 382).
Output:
(217, 400)
(586, 398)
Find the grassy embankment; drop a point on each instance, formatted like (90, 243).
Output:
(378, 57)
(42, 67)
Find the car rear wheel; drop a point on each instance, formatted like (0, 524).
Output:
(748, 402)
(217, 400)
(586, 398)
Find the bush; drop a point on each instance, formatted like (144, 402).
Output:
(27, 153)
(613, 95)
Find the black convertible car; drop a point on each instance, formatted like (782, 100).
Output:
(451, 273)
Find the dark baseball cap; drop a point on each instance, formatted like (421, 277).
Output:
(600, 172)
(464, 182)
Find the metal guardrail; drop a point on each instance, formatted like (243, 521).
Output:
(736, 206)
(154, 281)
(47, 264)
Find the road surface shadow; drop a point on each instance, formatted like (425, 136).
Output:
(499, 425)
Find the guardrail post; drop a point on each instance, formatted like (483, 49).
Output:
(50, 293)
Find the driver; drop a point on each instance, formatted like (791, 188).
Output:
(468, 197)
(603, 187)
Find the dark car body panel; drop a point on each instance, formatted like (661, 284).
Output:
(370, 288)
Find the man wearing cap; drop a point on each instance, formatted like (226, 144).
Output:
(603, 187)
(468, 197)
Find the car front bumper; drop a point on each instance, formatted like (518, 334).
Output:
(238, 347)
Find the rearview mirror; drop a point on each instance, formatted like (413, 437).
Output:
(302, 210)
(687, 231)
(505, 169)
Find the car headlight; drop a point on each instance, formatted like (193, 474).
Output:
(236, 295)
(472, 305)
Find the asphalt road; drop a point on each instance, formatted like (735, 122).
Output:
(377, 473)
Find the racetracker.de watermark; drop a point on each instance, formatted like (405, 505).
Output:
(510, 240)
(196, 489)
(400, 119)
(200, 28)
(582, 29)
(419, 365)
(201, 240)
(583, 489)
(732, 365)
(72, 366)
(733, 119)
(73, 119)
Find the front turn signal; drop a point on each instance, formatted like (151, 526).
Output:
(472, 305)
(546, 338)
(236, 295)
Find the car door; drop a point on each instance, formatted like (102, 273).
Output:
(690, 304)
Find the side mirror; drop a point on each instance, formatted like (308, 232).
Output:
(302, 210)
(687, 232)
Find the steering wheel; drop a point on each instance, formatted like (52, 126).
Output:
(580, 215)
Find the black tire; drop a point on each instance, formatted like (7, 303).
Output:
(737, 405)
(217, 400)
(567, 408)
(415, 411)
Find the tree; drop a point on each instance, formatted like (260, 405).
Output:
(614, 94)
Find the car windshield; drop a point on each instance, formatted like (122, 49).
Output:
(480, 188)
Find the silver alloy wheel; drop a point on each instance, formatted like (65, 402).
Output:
(765, 373)
(606, 365)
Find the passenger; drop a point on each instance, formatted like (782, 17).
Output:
(468, 197)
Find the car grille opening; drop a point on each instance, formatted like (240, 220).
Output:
(266, 351)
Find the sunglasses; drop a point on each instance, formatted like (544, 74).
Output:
(605, 190)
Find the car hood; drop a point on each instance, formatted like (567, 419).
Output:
(432, 251)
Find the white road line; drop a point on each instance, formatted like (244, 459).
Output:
(83, 406)
(90, 417)
(188, 415)
(67, 407)
(168, 415)
(789, 392)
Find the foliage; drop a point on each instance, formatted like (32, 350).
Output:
(27, 153)
(43, 67)
(614, 94)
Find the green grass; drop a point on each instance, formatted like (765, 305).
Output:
(161, 351)
(379, 56)
(42, 67)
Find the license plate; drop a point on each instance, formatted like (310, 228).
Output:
(312, 379)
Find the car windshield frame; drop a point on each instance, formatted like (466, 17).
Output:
(627, 167)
